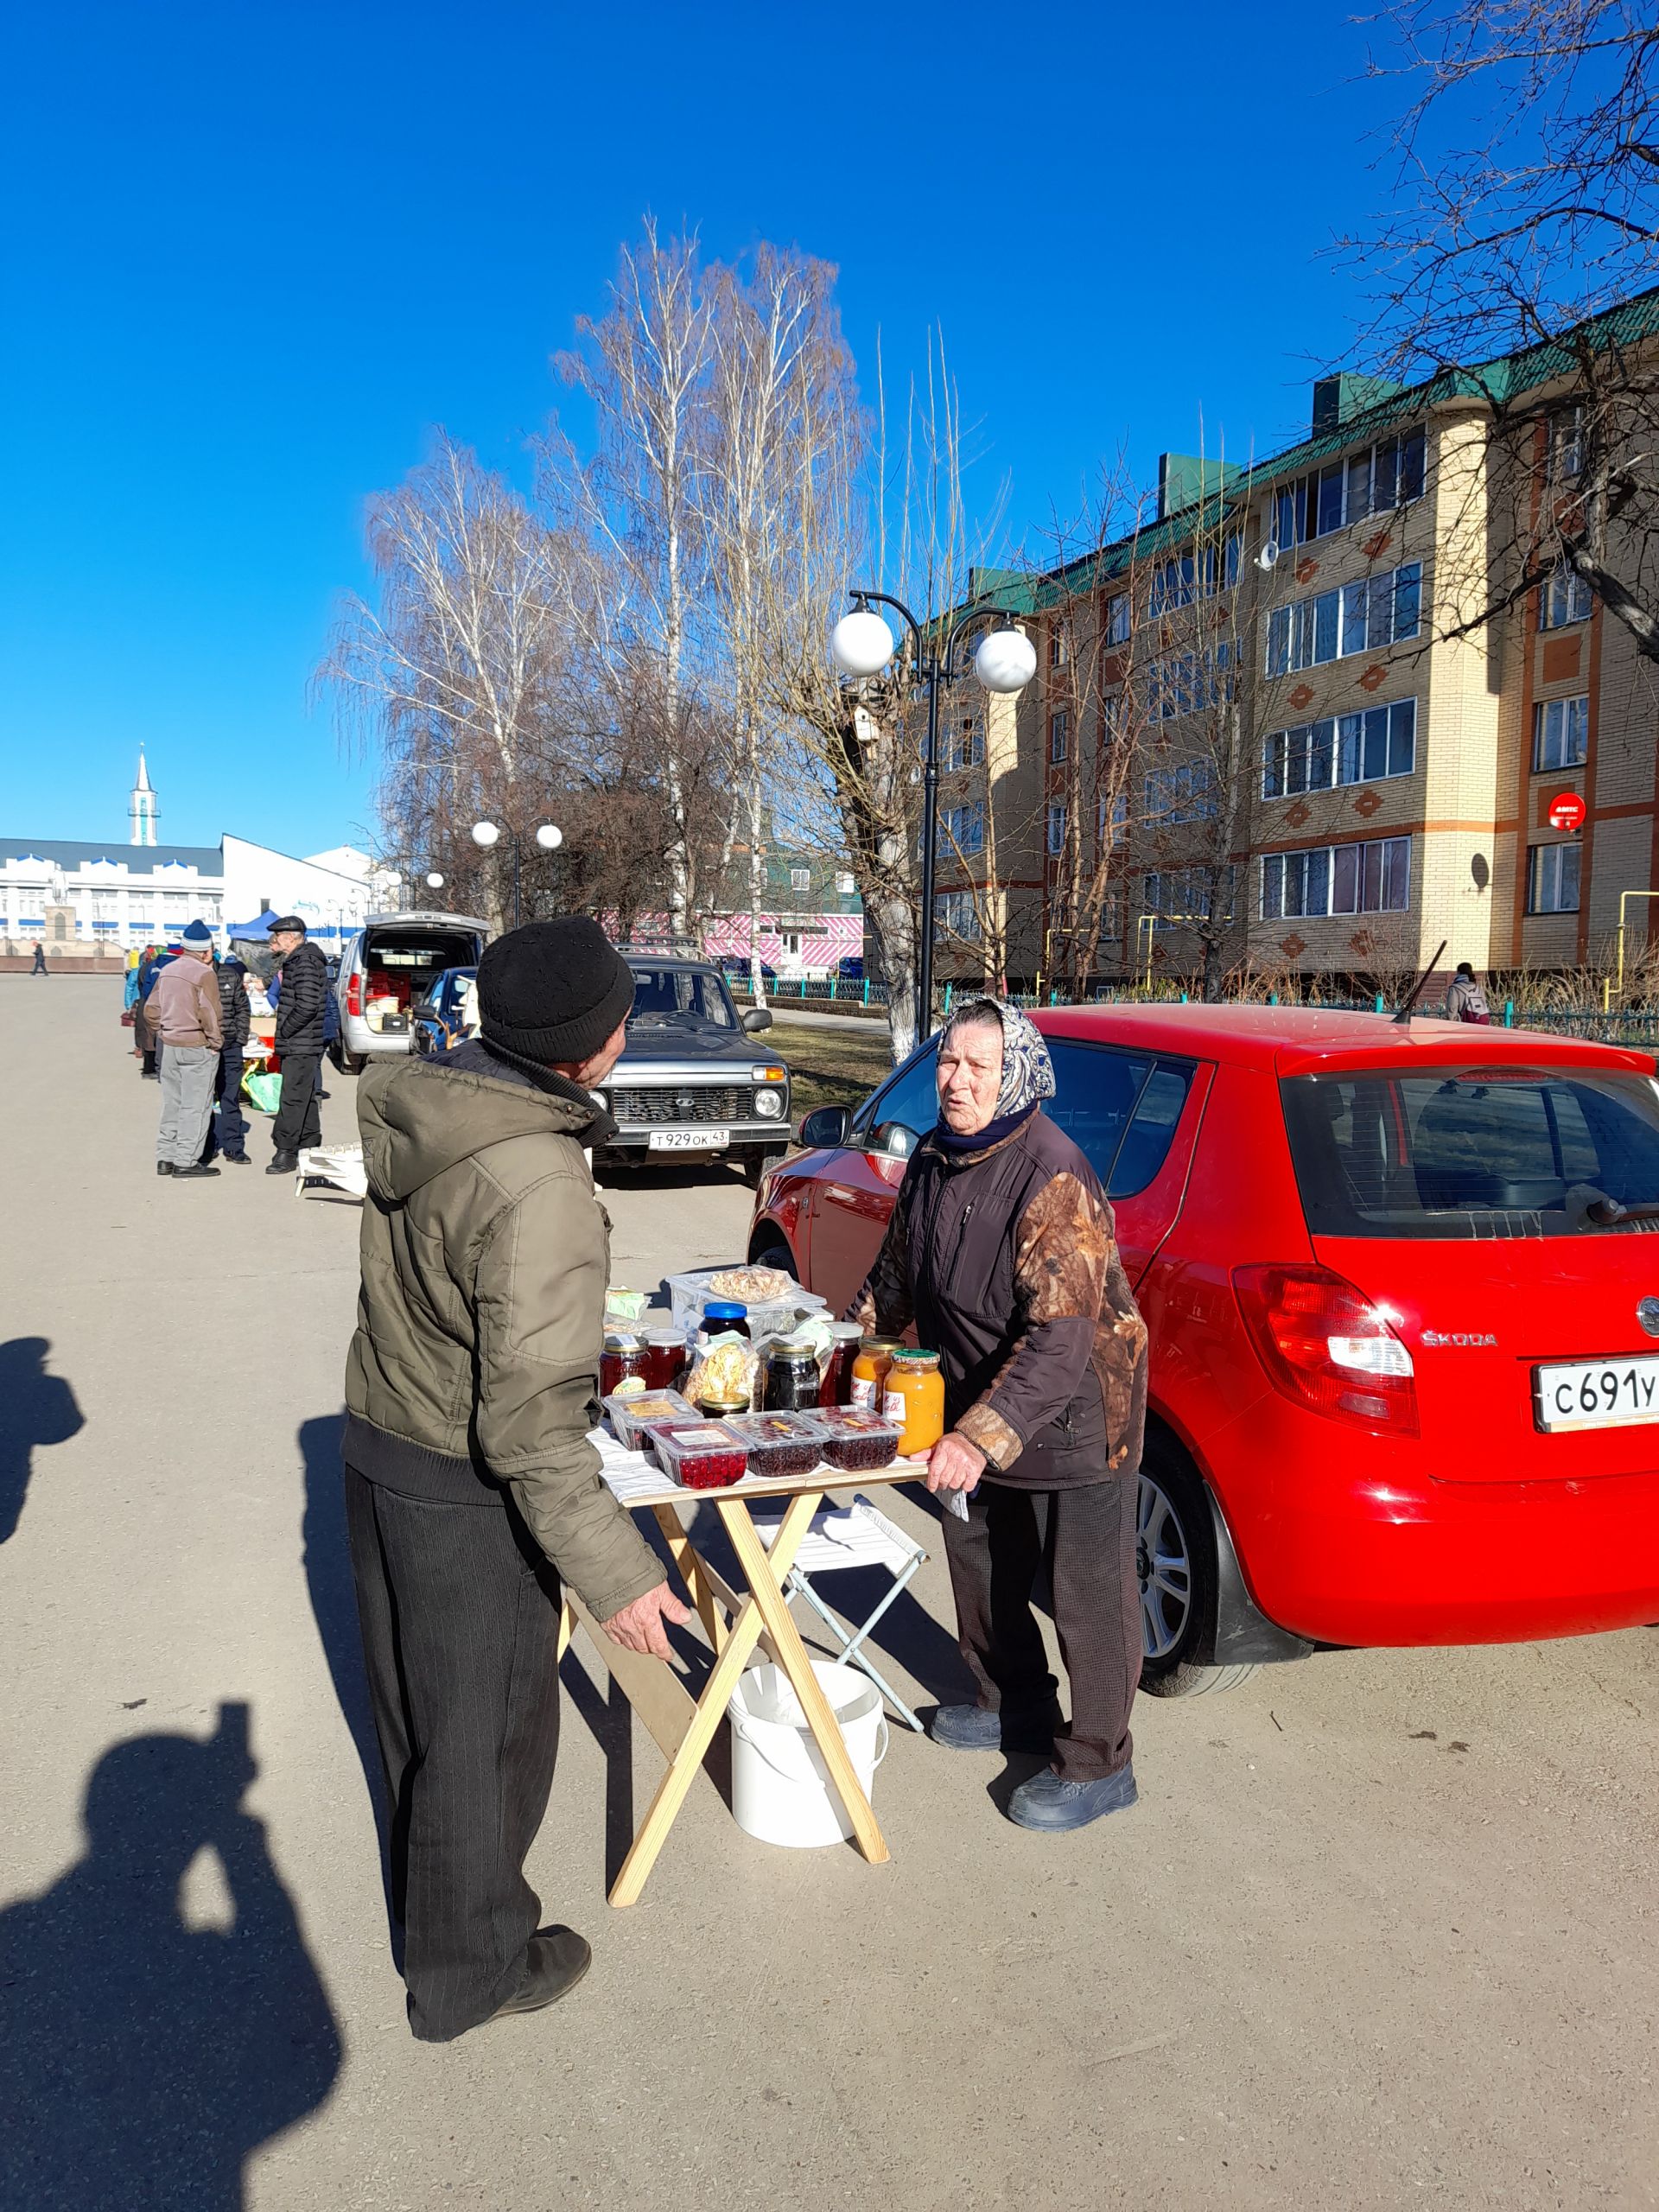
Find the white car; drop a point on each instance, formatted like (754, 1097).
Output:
(389, 966)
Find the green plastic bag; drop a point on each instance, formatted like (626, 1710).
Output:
(263, 1090)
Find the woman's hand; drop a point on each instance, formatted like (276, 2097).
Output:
(954, 1464)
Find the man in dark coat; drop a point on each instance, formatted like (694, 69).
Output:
(227, 1133)
(299, 1041)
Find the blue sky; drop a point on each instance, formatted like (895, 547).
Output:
(256, 249)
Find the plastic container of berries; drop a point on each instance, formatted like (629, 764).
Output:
(702, 1455)
(630, 1411)
(856, 1441)
(780, 1444)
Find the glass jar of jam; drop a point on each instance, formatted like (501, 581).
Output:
(837, 1388)
(723, 1317)
(914, 1400)
(791, 1383)
(666, 1358)
(717, 1408)
(623, 1356)
(870, 1367)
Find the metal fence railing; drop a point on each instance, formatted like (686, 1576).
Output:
(1633, 1027)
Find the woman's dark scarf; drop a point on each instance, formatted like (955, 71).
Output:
(1027, 1079)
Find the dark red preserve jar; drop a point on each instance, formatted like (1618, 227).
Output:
(623, 1355)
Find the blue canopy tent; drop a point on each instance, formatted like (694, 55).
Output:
(254, 933)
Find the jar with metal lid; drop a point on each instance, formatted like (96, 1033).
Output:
(791, 1383)
(622, 1359)
(870, 1370)
(666, 1358)
(914, 1400)
(717, 1408)
(837, 1388)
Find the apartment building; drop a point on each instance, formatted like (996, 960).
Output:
(1314, 715)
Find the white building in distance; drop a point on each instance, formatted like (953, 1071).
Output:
(78, 897)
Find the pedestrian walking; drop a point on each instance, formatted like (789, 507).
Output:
(471, 1488)
(1464, 998)
(1001, 1250)
(227, 1131)
(40, 967)
(182, 1010)
(300, 1026)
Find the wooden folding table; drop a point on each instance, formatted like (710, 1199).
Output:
(736, 1621)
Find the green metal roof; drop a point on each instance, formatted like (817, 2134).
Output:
(1496, 381)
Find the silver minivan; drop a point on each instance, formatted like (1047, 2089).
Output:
(389, 966)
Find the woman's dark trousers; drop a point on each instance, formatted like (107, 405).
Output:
(1085, 1537)
(460, 1619)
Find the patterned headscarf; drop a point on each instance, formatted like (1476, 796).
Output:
(1027, 1072)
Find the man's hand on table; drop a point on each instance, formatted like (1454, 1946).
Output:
(955, 1464)
(639, 1627)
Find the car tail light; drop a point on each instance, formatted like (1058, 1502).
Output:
(354, 996)
(1325, 1345)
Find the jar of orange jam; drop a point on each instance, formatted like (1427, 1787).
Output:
(913, 1398)
(870, 1370)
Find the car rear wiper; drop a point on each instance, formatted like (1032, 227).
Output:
(1595, 1210)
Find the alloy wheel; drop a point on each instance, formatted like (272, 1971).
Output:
(1163, 1564)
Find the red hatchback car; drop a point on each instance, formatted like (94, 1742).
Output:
(1402, 1285)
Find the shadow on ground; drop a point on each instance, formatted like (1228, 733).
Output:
(144, 2059)
(35, 1408)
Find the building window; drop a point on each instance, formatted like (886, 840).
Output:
(957, 912)
(965, 827)
(1185, 794)
(845, 886)
(1362, 748)
(1178, 896)
(1369, 879)
(1553, 878)
(964, 745)
(1111, 816)
(800, 879)
(1561, 733)
(1188, 683)
(1357, 618)
(1117, 618)
(1189, 576)
(1056, 830)
(1057, 650)
(1566, 445)
(1059, 724)
(1564, 599)
(1381, 478)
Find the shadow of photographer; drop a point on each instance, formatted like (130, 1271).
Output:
(145, 2059)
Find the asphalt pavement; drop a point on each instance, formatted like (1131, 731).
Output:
(1380, 1932)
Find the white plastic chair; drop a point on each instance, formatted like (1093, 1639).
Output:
(836, 1542)
(340, 1165)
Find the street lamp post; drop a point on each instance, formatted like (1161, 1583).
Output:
(1005, 661)
(488, 835)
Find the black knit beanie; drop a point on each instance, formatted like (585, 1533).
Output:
(553, 991)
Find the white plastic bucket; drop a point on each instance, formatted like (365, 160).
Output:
(781, 1790)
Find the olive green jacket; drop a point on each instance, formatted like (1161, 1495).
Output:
(485, 1255)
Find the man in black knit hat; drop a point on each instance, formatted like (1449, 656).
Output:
(471, 1489)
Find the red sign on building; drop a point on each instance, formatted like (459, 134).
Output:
(1566, 811)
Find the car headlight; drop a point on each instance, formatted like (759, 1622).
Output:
(600, 1101)
(769, 1104)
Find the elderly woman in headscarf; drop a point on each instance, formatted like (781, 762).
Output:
(1001, 1252)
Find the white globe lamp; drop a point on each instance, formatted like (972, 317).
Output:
(485, 833)
(861, 643)
(1006, 661)
(435, 881)
(549, 836)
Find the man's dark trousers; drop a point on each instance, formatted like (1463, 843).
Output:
(1086, 1537)
(298, 1123)
(228, 1131)
(459, 1617)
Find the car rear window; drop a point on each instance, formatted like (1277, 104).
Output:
(1473, 1152)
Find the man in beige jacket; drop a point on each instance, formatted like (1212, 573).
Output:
(183, 1011)
(471, 1488)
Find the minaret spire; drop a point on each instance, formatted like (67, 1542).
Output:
(142, 808)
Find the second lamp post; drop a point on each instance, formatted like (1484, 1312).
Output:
(863, 644)
(548, 837)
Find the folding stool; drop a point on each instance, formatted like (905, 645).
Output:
(836, 1542)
